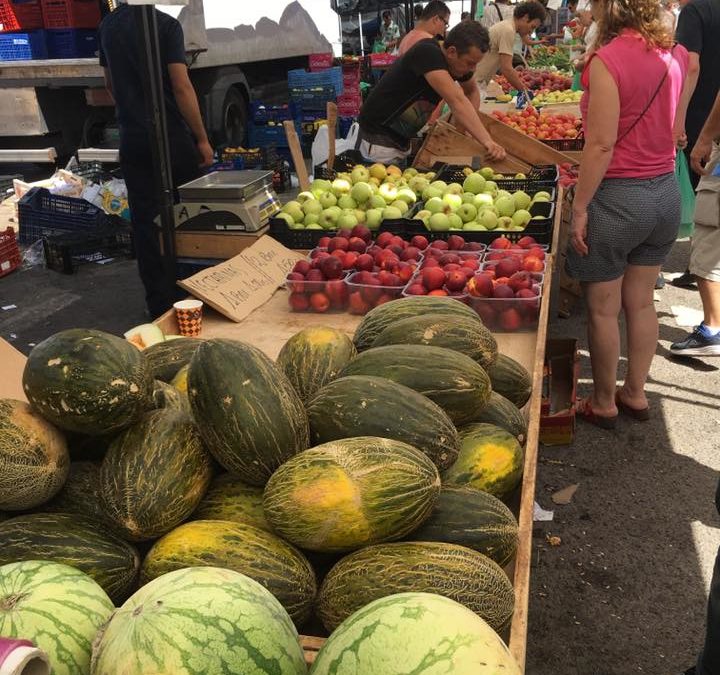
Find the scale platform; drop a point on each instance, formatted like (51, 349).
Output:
(241, 201)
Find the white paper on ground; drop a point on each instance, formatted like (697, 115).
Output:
(686, 317)
(540, 515)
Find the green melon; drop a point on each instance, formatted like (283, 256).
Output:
(351, 493)
(57, 607)
(228, 498)
(511, 380)
(459, 333)
(180, 381)
(166, 358)
(454, 381)
(458, 573)
(80, 494)
(154, 475)
(88, 381)
(313, 357)
(248, 413)
(73, 540)
(258, 554)
(374, 406)
(198, 621)
(34, 459)
(504, 414)
(167, 396)
(469, 517)
(490, 459)
(414, 633)
(378, 319)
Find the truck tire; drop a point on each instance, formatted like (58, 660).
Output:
(234, 119)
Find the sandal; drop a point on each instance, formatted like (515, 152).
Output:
(583, 409)
(638, 414)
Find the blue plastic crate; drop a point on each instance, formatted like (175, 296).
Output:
(332, 77)
(312, 98)
(23, 46)
(262, 114)
(260, 136)
(72, 43)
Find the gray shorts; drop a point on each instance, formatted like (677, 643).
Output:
(631, 221)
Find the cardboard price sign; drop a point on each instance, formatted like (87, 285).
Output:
(237, 287)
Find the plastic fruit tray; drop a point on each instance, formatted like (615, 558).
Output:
(510, 315)
(319, 296)
(364, 297)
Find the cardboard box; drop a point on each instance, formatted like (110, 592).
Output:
(562, 369)
(13, 364)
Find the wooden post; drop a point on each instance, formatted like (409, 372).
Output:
(297, 156)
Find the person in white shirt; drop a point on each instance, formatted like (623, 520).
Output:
(495, 12)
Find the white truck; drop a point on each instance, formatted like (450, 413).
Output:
(237, 50)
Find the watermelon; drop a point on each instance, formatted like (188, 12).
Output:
(454, 381)
(88, 381)
(511, 380)
(373, 406)
(198, 621)
(459, 573)
(459, 333)
(166, 358)
(57, 607)
(351, 493)
(313, 357)
(228, 498)
(490, 459)
(259, 554)
(504, 414)
(378, 319)
(34, 459)
(414, 633)
(154, 475)
(247, 411)
(73, 540)
(469, 517)
(180, 381)
(80, 494)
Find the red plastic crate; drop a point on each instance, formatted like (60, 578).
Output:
(382, 59)
(71, 13)
(351, 81)
(9, 252)
(320, 61)
(348, 105)
(20, 15)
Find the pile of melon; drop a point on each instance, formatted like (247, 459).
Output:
(224, 501)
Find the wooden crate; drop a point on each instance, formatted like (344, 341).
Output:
(214, 245)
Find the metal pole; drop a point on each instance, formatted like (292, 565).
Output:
(362, 39)
(146, 21)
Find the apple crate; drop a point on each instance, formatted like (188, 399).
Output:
(319, 296)
(511, 314)
(362, 297)
(541, 174)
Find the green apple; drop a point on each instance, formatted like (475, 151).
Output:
(410, 172)
(391, 213)
(490, 187)
(328, 219)
(318, 186)
(435, 205)
(294, 210)
(483, 199)
(453, 201)
(346, 202)
(305, 196)
(327, 199)
(498, 176)
(521, 218)
(520, 176)
(456, 221)
(314, 226)
(473, 226)
(360, 215)
(522, 199)
(467, 213)
(407, 195)
(388, 192)
(422, 215)
(474, 183)
(430, 175)
(502, 193)
(373, 218)
(361, 192)
(360, 174)
(541, 196)
(488, 207)
(297, 226)
(439, 222)
(418, 184)
(431, 192)
(286, 217)
(347, 220)
(400, 205)
(311, 219)
(505, 206)
(335, 210)
(312, 207)
(377, 202)
(468, 197)
(504, 223)
(378, 171)
(454, 189)
(439, 185)
(488, 219)
(341, 186)
(486, 172)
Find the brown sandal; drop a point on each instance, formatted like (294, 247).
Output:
(638, 414)
(584, 411)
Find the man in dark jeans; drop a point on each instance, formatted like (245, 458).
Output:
(120, 56)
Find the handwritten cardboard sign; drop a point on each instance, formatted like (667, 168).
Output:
(237, 287)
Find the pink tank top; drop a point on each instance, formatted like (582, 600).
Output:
(648, 149)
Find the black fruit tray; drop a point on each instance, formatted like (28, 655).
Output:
(546, 175)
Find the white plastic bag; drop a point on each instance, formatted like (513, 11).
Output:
(321, 144)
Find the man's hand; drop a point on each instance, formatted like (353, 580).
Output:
(206, 153)
(700, 156)
(578, 232)
(495, 151)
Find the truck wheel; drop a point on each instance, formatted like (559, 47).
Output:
(234, 118)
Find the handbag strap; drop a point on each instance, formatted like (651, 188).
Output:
(650, 102)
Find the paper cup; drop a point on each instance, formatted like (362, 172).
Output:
(189, 317)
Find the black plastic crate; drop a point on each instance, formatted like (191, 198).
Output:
(43, 214)
(545, 174)
(566, 144)
(66, 251)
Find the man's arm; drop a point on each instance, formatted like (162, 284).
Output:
(710, 132)
(689, 35)
(465, 112)
(190, 109)
(511, 75)
(691, 80)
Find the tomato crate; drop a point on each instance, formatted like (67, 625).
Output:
(66, 251)
(23, 46)
(10, 258)
(20, 15)
(72, 43)
(71, 13)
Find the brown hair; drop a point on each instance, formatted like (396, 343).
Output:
(640, 15)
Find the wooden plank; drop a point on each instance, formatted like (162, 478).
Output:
(214, 245)
(297, 156)
(311, 646)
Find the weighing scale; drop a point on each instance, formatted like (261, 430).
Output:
(239, 201)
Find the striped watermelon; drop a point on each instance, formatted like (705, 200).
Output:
(228, 498)
(34, 459)
(154, 475)
(247, 411)
(88, 381)
(350, 493)
(198, 621)
(262, 556)
(313, 357)
(73, 540)
(57, 607)
(459, 573)
(414, 633)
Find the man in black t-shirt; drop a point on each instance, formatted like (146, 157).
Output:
(403, 100)
(120, 56)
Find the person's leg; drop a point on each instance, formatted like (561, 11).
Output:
(603, 301)
(710, 295)
(642, 331)
(709, 659)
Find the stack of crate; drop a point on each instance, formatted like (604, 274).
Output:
(349, 103)
(266, 129)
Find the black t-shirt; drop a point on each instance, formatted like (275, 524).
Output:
(120, 53)
(698, 31)
(403, 101)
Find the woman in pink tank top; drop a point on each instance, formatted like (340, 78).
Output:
(626, 211)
